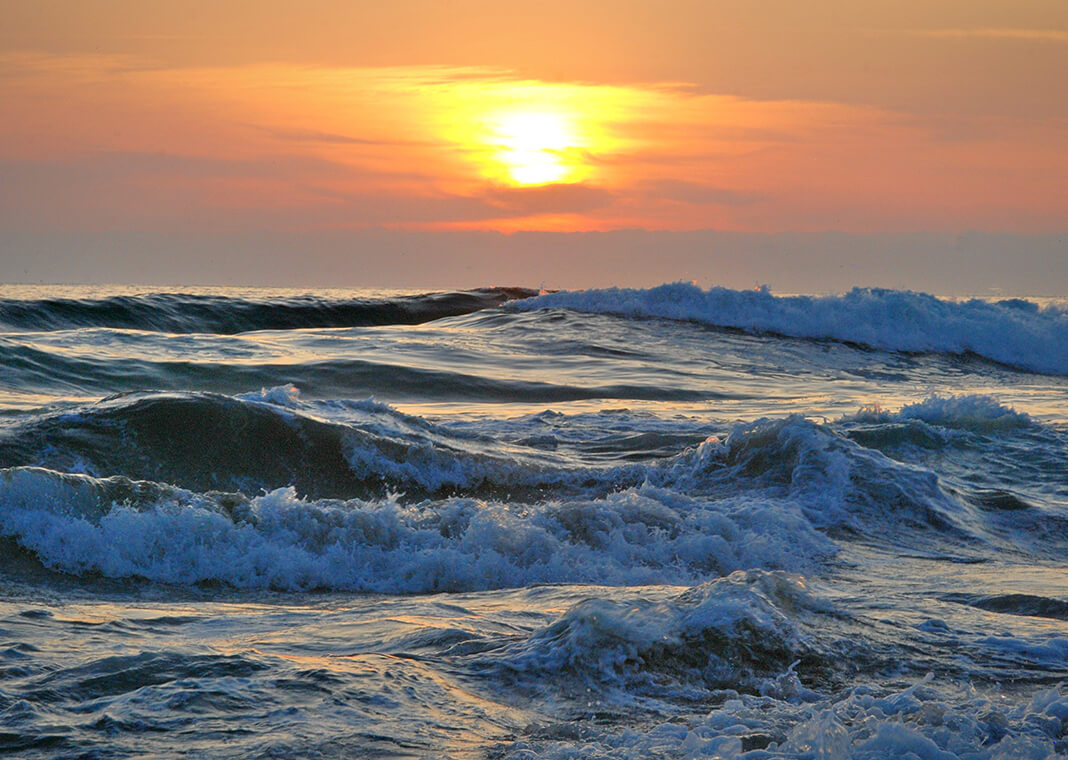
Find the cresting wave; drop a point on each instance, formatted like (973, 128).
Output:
(746, 631)
(260, 491)
(120, 528)
(975, 413)
(1013, 332)
(184, 313)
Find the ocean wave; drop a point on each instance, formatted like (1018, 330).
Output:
(925, 720)
(1026, 605)
(120, 528)
(967, 421)
(272, 438)
(199, 441)
(748, 631)
(28, 367)
(976, 413)
(777, 494)
(794, 471)
(1016, 333)
(837, 483)
(184, 313)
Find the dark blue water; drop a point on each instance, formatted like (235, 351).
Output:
(668, 523)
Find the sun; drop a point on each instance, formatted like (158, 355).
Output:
(536, 147)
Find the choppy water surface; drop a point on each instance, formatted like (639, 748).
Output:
(667, 523)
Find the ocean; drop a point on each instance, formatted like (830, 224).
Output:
(661, 523)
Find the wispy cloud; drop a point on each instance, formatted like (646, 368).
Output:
(995, 33)
(548, 199)
(316, 136)
(103, 140)
(696, 193)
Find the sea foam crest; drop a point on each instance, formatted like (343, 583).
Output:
(832, 480)
(1016, 332)
(978, 413)
(280, 541)
(922, 721)
(743, 631)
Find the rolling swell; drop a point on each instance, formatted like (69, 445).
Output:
(184, 313)
(197, 441)
(29, 368)
(1015, 332)
(840, 476)
(271, 439)
(1026, 605)
(358, 449)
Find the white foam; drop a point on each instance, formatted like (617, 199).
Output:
(756, 499)
(724, 633)
(287, 396)
(1018, 333)
(277, 540)
(927, 721)
(970, 412)
(833, 481)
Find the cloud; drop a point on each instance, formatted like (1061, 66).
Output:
(1037, 35)
(123, 166)
(313, 135)
(550, 199)
(693, 192)
(328, 147)
(129, 189)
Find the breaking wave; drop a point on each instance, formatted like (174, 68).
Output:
(744, 631)
(266, 490)
(120, 528)
(1013, 332)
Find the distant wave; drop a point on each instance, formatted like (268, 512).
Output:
(33, 368)
(1013, 332)
(182, 313)
(968, 412)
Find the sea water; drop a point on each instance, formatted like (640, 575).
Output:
(663, 523)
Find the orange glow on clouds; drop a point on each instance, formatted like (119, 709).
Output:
(482, 148)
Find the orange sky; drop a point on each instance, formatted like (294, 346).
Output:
(760, 117)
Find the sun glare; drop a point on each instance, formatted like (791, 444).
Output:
(534, 147)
